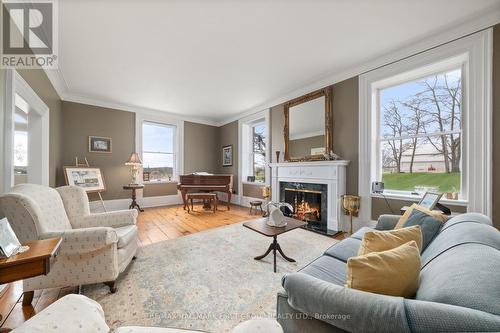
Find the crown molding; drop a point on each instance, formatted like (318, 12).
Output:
(442, 36)
(75, 98)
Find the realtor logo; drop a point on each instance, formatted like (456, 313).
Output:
(29, 34)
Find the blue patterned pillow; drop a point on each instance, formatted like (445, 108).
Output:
(429, 225)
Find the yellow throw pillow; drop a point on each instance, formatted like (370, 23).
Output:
(437, 215)
(394, 272)
(377, 241)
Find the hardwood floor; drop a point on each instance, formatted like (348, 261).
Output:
(154, 225)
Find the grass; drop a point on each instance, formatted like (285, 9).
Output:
(446, 182)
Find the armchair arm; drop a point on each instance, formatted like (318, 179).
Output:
(72, 312)
(387, 222)
(348, 309)
(78, 241)
(114, 219)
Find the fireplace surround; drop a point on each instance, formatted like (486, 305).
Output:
(305, 179)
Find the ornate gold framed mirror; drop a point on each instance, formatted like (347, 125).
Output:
(308, 126)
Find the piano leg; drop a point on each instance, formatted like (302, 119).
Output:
(229, 200)
(184, 200)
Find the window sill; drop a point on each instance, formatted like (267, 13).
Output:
(161, 182)
(416, 198)
(254, 183)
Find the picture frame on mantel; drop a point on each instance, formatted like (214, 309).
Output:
(227, 156)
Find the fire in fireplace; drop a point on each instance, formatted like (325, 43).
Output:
(309, 202)
(306, 204)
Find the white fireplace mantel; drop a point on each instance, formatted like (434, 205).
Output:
(331, 173)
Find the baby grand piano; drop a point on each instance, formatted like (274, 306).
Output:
(206, 183)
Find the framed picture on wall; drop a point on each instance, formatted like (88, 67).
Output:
(99, 144)
(227, 155)
(90, 179)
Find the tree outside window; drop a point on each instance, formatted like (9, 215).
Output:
(420, 134)
(259, 152)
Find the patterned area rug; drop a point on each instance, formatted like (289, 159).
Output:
(206, 281)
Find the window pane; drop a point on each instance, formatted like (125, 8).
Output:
(260, 167)
(428, 105)
(159, 167)
(424, 164)
(259, 143)
(259, 149)
(157, 138)
(20, 140)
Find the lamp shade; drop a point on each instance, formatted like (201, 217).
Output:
(134, 159)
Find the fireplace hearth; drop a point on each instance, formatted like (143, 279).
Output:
(309, 202)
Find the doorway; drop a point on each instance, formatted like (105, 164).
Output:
(26, 134)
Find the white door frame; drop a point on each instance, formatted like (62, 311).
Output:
(38, 139)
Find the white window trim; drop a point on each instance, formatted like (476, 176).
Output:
(38, 165)
(247, 121)
(476, 165)
(162, 119)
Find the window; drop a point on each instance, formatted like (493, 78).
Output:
(425, 124)
(253, 143)
(158, 152)
(259, 153)
(420, 134)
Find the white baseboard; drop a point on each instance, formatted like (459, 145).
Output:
(145, 202)
(164, 200)
(238, 199)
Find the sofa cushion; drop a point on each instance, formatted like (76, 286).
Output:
(345, 249)
(429, 226)
(328, 269)
(465, 275)
(376, 241)
(361, 232)
(393, 272)
(126, 234)
(416, 207)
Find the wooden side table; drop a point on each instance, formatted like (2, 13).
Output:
(34, 262)
(134, 187)
(260, 226)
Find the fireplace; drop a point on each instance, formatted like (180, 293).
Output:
(309, 202)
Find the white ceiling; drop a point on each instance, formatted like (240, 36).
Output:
(212, 60)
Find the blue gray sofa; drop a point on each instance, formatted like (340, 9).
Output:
(459, 287)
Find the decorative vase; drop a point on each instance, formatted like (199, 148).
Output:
(278, 156)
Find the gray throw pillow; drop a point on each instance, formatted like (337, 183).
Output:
(430, 226)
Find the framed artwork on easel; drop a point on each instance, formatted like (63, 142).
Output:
(88, 178)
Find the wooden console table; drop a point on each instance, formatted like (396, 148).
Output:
(34, 262)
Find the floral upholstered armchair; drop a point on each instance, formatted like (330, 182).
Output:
(96, 247)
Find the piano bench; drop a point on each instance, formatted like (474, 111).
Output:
(208, 198)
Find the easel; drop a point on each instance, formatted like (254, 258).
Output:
(86, 164)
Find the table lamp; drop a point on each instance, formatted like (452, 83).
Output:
(135, 162)
(351, 205)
